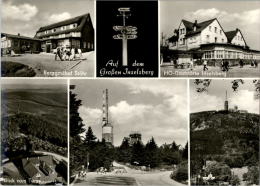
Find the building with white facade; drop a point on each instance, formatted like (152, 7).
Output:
(77, 32)
(208, 40)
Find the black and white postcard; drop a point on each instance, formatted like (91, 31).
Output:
(47, 38)
(34, 146)
(210, 38)
(127, 38)
(128, 132)
(224, 131)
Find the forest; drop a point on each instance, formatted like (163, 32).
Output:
(91, 153)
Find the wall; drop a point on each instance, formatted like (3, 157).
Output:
(238, 39)
(212, 34)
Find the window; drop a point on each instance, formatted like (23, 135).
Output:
(182, 31)
(84, 44)
(46, 32)
(216, 29)
(220, 31)
(88, 45)
(54, 30)
(15, 43)
(222, 40)
(207, 38)
(216, 39)
(209, 28)
(207, 54)
(74, 25)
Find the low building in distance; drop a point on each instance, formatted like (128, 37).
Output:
(19, 44)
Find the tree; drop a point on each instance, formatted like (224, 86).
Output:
(124, 151)
(252, 176)
(90, 138)
(203, 85)
(76, 124)
(185, 152)
(137, 153)
(151, 154)
(174, 146)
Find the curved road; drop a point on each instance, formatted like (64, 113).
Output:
(131, 177)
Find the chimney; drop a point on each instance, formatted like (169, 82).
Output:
(18, 34)
(196, 22)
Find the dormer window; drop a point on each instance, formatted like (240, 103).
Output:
(74, 25)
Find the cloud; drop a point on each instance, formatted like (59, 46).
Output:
(243, 18)
(162, 121)
(205, 102)
(59, 17)
(165, 88)
(23, 12)
(204, 14)
(244, 99)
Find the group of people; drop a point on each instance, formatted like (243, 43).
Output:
(224, 65)
(254, 64)
(67, 53)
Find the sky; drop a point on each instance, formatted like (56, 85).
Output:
(155, 108)
(33, 83)
(27, 16)
(231, 14)
(214, 98)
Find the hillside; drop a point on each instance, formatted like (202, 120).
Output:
(50, 105)
(232, 138)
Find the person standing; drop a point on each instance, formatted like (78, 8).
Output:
(222, 65)
(58, 53)
(241, 63)
(72, 54)
(191, 64)
(205, 63)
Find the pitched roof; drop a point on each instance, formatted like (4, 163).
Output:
(36, 160)
(63, 23)
(199, 27)
(231, 34)
(31, 169)
(188, 24)
(81, 20)
(18, 37)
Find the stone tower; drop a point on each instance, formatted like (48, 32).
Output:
(107, 128)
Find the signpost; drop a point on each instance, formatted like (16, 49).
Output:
(127, 32)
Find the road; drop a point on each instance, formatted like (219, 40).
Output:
(131, 177)
(44, 62)
(246, 71)
(57, 156)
